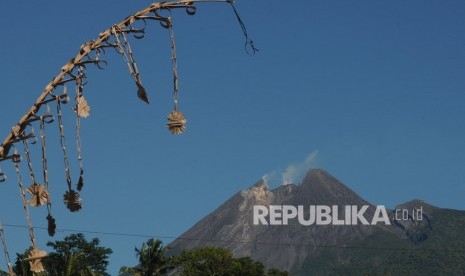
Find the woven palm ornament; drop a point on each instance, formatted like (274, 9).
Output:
(35, 260)
(39, 194)
(177, 122)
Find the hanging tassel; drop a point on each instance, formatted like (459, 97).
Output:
(124, 49)
(80, 184)
(141, 93)
(51, 225)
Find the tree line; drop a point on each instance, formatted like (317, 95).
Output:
(76, 256)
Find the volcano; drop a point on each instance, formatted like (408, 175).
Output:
(316, 249)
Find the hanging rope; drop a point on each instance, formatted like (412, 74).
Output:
(28, 156)
(81, 111)
(71, 198)
(38, 191)
(177, 121)
(82, 108)
(5, 250)
(51, 224)
(124, 49)
(23, 198)
(35, 255)
(174, 63)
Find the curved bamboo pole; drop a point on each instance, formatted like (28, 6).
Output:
(84, 52)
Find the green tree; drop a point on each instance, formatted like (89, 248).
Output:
(277, 272)
(206, 261)
(220, 262)
(19, 268)
(246, 266)
(128, 271)
(152, 260)
(75, 256)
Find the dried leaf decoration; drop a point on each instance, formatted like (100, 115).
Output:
(35, 257)
(39, 194)
(82, 107)
(51, 225)
(72, 200)
(177, 124)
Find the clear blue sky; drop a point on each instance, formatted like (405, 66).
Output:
(374, 89)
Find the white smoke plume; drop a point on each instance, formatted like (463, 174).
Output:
(294, 173)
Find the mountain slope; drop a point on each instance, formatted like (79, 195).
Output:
(314, 249)
(441, 251)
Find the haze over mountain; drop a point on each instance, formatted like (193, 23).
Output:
(314, 249)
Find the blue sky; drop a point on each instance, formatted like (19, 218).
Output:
(372, 90)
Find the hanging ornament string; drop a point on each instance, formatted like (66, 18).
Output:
(5, 250)
(249, 47)
(28, 156)
(63, 141)
(71, 197)
(124, 49)
(51, 225)
(174, 63)
(79, 101)
(38, 192)
(82, 108)
(44, 152)
(23, 198)
(35, 255)
(177, 121)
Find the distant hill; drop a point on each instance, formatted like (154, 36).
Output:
(434, 245)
